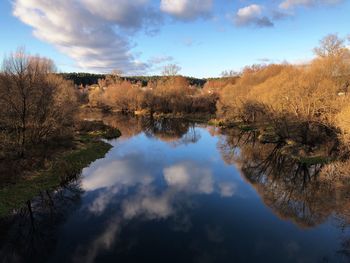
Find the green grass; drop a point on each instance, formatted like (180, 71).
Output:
(108, 134)
(314, 160)
(98, 129)
(63, 168)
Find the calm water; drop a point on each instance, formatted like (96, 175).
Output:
(180, 192)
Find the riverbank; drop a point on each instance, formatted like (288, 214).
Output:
(308, 143)
(96, 113)
(62, 168)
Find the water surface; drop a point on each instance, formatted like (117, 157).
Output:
(183, 192)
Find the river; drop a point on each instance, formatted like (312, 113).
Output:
(174, 191)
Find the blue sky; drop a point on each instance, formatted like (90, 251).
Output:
(204, 37)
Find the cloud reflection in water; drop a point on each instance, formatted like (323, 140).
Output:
(144, 188)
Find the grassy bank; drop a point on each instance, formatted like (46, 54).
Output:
(64, 167)
(307, 143)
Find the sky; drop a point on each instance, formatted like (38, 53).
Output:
(140, 37)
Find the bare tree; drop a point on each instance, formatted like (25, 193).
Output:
(171, 70)
(117, 73)
(16, 92)
(330, 45)
(31, 99)
(229, 73)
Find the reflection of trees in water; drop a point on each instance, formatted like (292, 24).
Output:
(344, 250)
(292, 189)
(171, 130)
(343, 220)
(175, 131)
(29, 234)
(129, 126)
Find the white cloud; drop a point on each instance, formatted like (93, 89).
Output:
(124, 172)
(123, 12)
(181, 178)
(113, 177)
(189, 177)
(261, 16)
(133, 170)
(91, 32)
(186, 9)
(227, 189)
(149, 205)
(288, 4)
(177, 176)
(252, 15)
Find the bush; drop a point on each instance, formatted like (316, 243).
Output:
(171, 94)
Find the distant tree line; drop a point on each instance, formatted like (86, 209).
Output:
(80, 78)
(87, 79)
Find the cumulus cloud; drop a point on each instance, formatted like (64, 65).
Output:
(252, 15)
(127, 171)
(289, 4)
(123, 12)
(186, 9)
(181, 178)
(134, 171)
(189, 177)
(109, 179)
(227, 189)
(149, 206)
(261, 16)
(90, 32)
